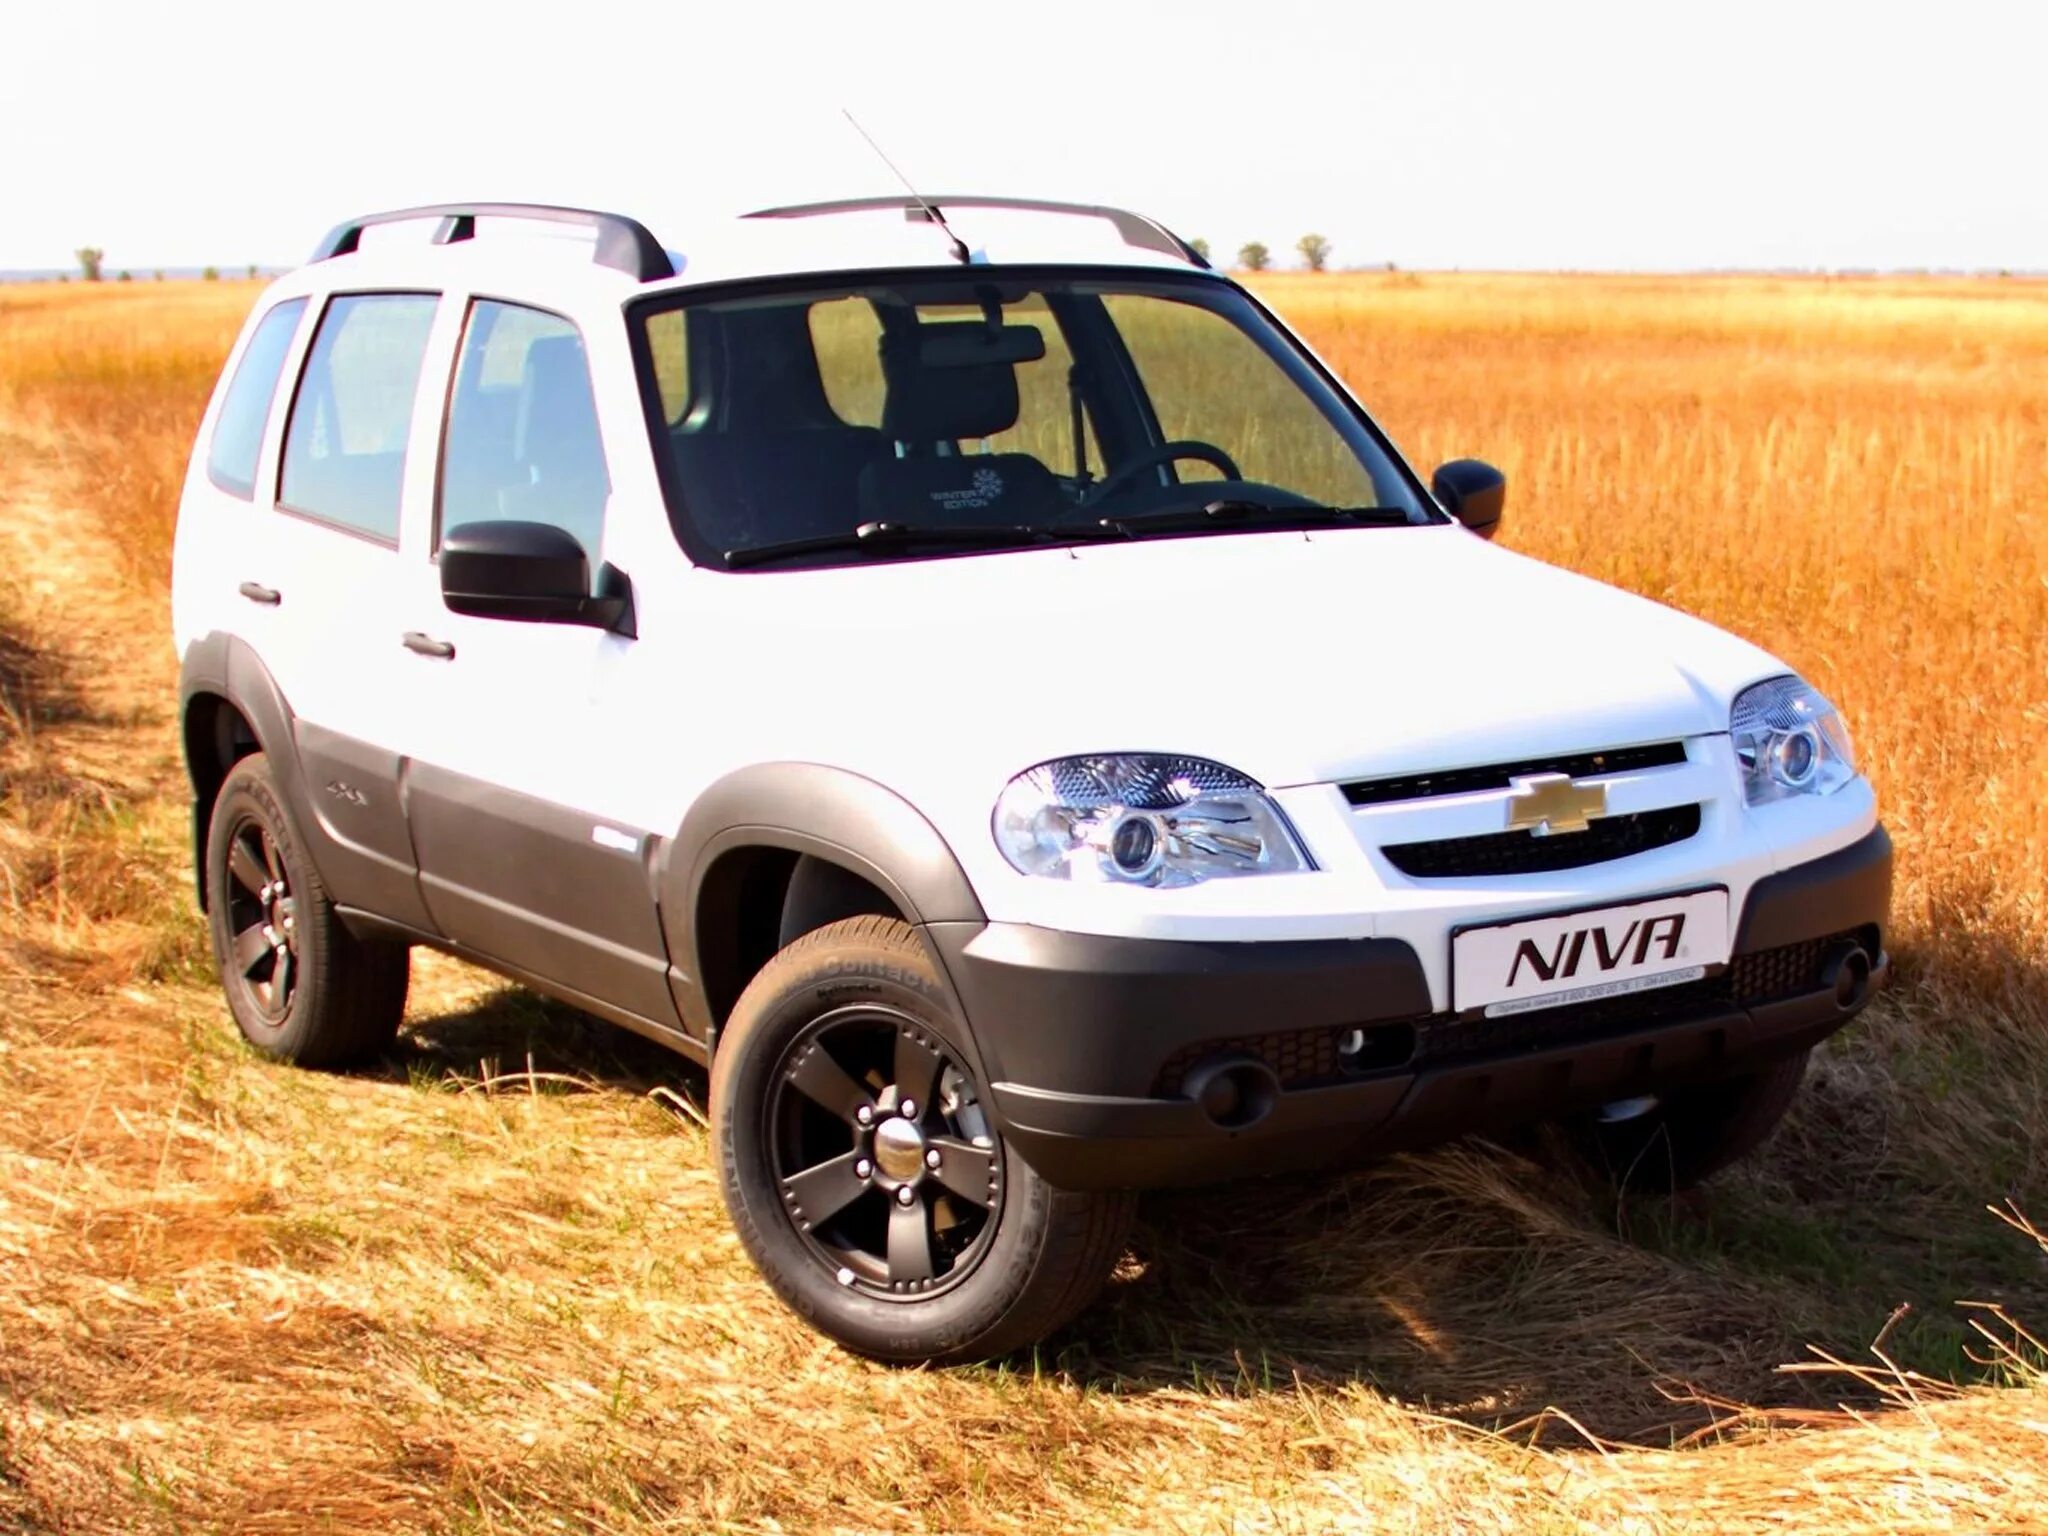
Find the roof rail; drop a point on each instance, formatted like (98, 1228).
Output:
(623, 244)
(1135, 228)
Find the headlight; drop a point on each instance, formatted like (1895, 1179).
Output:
(1790, 741)
(1142, 820)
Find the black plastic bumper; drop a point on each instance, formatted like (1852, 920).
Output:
(1080, 1035)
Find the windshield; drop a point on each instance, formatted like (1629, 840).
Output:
(905, 417)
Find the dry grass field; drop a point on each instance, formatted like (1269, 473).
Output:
(491, 1288)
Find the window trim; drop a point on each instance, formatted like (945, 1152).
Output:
(248, 493)
(448, 409)
(320, 520)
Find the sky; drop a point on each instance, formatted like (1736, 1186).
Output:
(1662, 135)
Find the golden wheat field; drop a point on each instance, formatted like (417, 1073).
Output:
(490, 1287)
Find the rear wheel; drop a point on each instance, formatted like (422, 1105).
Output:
(302, 988)
(864, 1173)
(1689, 1136)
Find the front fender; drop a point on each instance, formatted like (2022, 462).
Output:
(793, 809)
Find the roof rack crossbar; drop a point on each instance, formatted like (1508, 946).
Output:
(623, 243)
(1135, 228)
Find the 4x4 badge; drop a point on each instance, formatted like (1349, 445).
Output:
(1543, 803)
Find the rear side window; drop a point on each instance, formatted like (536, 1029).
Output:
(245, 409)
(522, 439)
(344, 450)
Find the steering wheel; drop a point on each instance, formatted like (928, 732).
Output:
(1165, 453)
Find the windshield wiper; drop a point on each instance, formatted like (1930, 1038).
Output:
(1228, 513)
(887, 535)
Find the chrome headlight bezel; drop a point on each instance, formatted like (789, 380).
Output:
(1150, 819)
(1789, 741)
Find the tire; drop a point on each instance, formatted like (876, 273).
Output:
(898, 1258)
(301, 987)
(1693, 1134)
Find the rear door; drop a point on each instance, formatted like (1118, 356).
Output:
(514, 749)
(225, 563)
(357, 454)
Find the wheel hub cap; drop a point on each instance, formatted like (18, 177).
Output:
(885, 1160)
(899, 1149)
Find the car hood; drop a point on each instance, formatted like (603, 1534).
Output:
(1293, 658)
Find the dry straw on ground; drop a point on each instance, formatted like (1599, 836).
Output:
(490, 1287)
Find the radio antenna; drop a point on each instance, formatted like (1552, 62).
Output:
(960, 250)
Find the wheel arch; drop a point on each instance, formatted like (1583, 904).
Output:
(229, 706)
(782, 845)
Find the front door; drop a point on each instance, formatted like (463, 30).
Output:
(513, 863)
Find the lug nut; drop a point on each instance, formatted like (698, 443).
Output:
(907, 1109)
(905, 1195)
(931, 1158)
(863, 1169)
(864, 1115)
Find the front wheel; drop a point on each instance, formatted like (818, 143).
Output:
(865, 1175)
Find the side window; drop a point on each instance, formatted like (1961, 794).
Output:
(344, 450)
(245, 409)
(522, 439)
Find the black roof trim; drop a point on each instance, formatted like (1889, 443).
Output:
(623, 243)
(1135, 228)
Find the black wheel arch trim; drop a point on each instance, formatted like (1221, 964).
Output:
(225, 667)
(786, 810)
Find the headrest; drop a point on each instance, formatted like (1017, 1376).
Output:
(953, 379)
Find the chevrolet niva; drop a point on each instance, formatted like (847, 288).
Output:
(965, 672)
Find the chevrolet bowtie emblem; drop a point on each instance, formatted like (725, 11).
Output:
(1543, 803)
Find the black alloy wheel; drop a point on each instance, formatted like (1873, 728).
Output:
(865, 1167)
(262, 919)
(883, 1154)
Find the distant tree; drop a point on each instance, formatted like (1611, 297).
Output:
(63, 277)
(158, 275)
(127, 276)
(90, 258)
(1200, 246)
(1254, 257)
(210, 275)
(1315, 252)
(252, 269)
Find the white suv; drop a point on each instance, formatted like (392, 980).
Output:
(973, 678)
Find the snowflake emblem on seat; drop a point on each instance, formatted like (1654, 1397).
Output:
(988, 484)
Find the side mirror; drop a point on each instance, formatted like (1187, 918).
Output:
(1472, 491)
(531, 571)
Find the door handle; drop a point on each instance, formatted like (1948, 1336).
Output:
(256, 592)
(427, 645)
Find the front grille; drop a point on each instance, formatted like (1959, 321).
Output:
(1309, 1058)
(1466, 781)
(1524, 853)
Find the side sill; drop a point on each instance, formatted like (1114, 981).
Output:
(368, 925)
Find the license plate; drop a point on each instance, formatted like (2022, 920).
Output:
(1578, 957)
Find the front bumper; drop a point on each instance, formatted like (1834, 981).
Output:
(1088, 1040)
